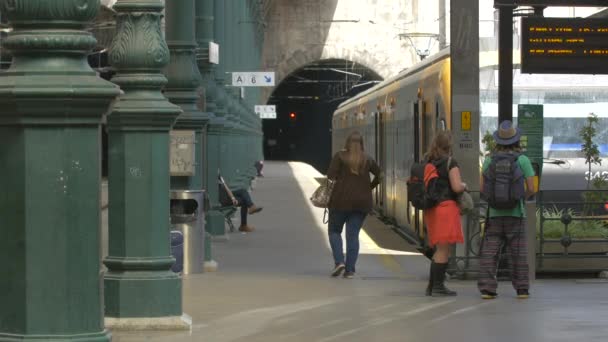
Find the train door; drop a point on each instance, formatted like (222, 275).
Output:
(392, 208)
(377, 140)
(381, 140)
(417, 224)
(440, 124)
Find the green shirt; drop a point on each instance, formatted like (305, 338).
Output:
(518, 211)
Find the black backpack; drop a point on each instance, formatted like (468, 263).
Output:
(424, 193)
(503, 181)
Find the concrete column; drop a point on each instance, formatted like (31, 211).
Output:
(51, 108)
(141, 291)
(464, 46)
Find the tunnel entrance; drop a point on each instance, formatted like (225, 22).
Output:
(305, 101)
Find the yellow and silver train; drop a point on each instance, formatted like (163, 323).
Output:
(400, 116)
(398, 119)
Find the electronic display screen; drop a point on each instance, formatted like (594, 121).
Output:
(564, 46)
(594, 3)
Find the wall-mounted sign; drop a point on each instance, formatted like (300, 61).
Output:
(214, 53)
(253, 79)
(564, 45)
(465, 121)
(182, 160)
(266, 112)
(530, 121)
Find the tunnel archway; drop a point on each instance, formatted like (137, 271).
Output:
(305, 101)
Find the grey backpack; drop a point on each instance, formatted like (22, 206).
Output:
(503, 181)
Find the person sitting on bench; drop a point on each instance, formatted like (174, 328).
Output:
(241, 198)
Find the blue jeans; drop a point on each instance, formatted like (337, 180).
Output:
(245, 202)
(353, 220)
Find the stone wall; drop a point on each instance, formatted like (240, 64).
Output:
(363, 31)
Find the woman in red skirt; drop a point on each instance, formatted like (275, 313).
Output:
(443, 221)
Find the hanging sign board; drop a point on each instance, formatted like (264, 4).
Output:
(253, 79)
(530, 121)
(214, 53)
(564, 46)
(266, 112)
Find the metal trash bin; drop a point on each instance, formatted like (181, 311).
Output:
(188, 220)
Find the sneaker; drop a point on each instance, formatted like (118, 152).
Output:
(485, 294)
(349, 275)
(523, 294)
(246, 229)
(253, 209)
(337, 270)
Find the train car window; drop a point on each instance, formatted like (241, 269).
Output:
(437, 115)
(429, 128)
(441, 125)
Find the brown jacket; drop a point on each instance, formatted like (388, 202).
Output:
(351, 191)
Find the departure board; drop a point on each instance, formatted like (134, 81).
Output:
(593, 3)
(564, 46)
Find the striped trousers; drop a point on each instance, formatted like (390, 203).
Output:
(510, 231)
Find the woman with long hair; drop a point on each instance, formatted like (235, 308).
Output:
(350, 202)
(443, 220)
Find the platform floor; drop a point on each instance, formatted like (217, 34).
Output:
(274, 285)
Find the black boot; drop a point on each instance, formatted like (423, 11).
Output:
(439, 289)
(429, 287)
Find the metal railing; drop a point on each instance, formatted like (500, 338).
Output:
(571, 236)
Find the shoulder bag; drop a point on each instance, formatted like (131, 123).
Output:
(320, 198)
(464, 199)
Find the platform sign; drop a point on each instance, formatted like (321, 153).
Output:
(182, 153)
(253, 79)
(564, 45)
(465, 121)
(266, 112)
(530, 121)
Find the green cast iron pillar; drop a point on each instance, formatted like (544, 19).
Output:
(51, 109)
(205, 33)
(141, 291)
(238, 40)
(183, 80)
(230, 158)
(210, 28)
(220, 77)
(182, 89)
(248, 26)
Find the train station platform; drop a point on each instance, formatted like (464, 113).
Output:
(274, 285)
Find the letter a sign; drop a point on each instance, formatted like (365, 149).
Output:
(253, 79)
